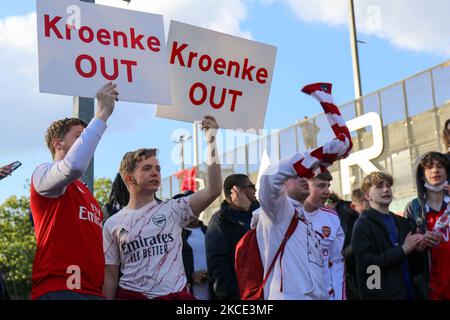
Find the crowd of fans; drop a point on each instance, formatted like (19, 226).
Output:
(311, 244)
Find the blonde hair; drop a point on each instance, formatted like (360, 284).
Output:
(132, 158)
(58, 130)
(375, 179)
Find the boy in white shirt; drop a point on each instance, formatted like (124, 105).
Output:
(326, 222)
(143, 240)
(298, 272)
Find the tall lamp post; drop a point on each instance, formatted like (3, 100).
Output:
(356, 71)
(355, 54)
(355, 61)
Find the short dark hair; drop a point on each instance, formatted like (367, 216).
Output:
(334, 197)
(325, 176)
(118, 197)
(58, 130)
(429, 157)
(236, 179)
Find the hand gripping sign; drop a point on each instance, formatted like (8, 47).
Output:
(81, 46)
(218, 74)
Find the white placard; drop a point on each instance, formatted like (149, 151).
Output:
(218, 74)
(82, 46)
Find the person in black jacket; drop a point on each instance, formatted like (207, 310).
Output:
(358, 205)
(194, 255)
(348, 212)
(384, 246)
(225, 229)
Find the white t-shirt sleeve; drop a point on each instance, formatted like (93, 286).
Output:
(110, 244)
(182, 211)
(51, 179)
(337, 268)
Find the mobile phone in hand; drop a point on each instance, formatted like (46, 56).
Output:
(15, 165)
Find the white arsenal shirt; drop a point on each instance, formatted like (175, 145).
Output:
(147, 245)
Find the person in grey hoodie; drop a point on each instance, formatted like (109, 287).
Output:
(432, 181)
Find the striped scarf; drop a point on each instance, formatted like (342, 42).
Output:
(317, 160)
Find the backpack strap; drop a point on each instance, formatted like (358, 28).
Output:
(289, 232)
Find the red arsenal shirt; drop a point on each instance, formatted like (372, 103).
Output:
(440, 260)
(69, 253)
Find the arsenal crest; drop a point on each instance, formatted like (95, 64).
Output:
(159, 220)
(326, 231)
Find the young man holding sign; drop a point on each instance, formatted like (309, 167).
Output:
(69, 262)
(143, 240)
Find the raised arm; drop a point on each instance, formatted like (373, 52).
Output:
(51, 180)
(306, 165)
(200, 200)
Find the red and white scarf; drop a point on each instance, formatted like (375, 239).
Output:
(317, 160)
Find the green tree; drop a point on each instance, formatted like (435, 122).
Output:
(17, 246)
(18, 242)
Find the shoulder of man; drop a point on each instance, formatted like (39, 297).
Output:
(113, 220)
(403, 221)
(42, 166)
(40, 170)
(399, 217)
(363, 222)
(329, 214)
(215, 222)
(254, 206)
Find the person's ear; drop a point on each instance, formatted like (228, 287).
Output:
(129, 180)
(352, 206)
(57, 144)
(235, 191)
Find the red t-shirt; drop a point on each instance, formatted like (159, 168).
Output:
(69, 242)
(440, 260)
